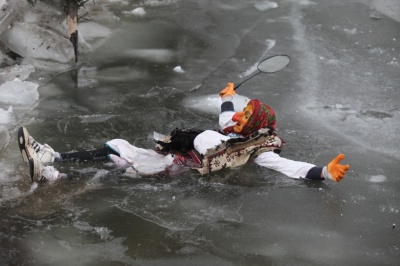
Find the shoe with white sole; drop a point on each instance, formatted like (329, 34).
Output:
(26, 150)
(28, 145)
(40, 173)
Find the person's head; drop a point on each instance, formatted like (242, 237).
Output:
(254, 116)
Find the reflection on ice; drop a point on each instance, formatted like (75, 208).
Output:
(97, 118)
(153, 55)
(266, 5)
(120, 73)
(377, 178)
(181, 208)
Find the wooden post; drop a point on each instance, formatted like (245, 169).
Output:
(72, 22)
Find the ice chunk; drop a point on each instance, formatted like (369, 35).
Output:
(137, 12)
(92, 30)
(4, 136)
(32, 41)
(178, 69)
(6, 116)
(266, 5)
(21, 72)
(19, 92)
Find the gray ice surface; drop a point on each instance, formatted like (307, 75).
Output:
(340, 94)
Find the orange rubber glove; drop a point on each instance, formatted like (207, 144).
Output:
(229, 90)
(335, 170)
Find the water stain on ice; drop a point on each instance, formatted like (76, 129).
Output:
(377, 178)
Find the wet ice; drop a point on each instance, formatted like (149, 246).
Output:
(254, 214)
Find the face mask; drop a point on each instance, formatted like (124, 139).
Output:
(241, 118)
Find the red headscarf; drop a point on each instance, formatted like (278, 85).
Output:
(262, 116)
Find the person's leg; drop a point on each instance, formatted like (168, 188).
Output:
(28, 146)
(45, 154)
(86, 156)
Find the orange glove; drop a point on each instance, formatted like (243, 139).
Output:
(229, 90)
(335, 170)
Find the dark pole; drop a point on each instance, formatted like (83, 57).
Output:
(72, 22)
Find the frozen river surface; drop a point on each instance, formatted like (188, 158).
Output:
(339, 94)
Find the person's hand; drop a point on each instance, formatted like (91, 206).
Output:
(229, 90)
(336, 171)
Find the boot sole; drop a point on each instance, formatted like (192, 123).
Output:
(23, 138)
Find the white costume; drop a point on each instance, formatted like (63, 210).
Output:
(148, 162)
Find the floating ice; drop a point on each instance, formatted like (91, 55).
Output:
(4, 137)
(19, 92)
(103, 232)
(21, 72)
(266, 5)
(31, 41)
(92, 30)
(137, 12)
(6, 116)
(178, 69)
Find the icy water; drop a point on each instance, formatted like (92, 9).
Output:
(339, 94)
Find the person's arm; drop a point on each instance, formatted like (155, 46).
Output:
(333, 171)
(227, 107)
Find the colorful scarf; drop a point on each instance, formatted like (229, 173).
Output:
(263, 116)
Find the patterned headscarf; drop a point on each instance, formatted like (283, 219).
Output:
(263, 116)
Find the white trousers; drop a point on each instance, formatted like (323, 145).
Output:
(145, 161)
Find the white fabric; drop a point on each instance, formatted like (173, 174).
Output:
(293, 169)
(207, 140)
(49, 173)
(145, 161)
(225, 119)
(148, 162)
(119, 162)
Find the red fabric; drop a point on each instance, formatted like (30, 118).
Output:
(263, 116)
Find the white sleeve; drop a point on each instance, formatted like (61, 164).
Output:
(207, 140)
(225, 119)
(290, 168)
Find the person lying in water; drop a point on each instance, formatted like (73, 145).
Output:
(244, 136)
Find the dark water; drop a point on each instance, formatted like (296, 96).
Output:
(339, 94)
